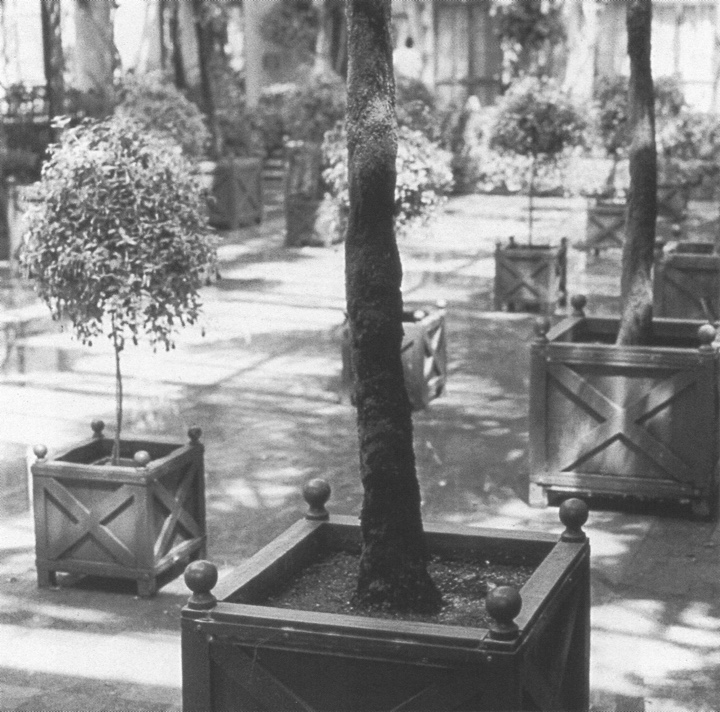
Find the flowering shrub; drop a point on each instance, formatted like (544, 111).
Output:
(158, 106)
(118, 243)
(423, 176)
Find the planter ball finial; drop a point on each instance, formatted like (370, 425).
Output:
(39, 451)
(141, 458)
(503, 604)
(573, 514)
(200, 577)
(441, 303)
(578, 303)
(706, 336)
(194, 434)
(316, 493)
(542, 326)
(97, 428)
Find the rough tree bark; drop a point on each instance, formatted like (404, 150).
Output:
(637, 258)
(205, 43)
(393, 571)
(50, 16)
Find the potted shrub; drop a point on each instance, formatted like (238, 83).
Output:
(628, 405)
(233, 182)
(308, 112)
(302, 659)
(686, 281)
(606, 216)
(119, 245)
(535, 120)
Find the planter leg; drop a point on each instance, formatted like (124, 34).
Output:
(537, 496)
(146, 587)
(46, 578)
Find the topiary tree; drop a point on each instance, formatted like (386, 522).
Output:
(536, 119)
(158, 106)
(119, 243)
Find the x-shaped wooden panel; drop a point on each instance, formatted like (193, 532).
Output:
(622, 420)
(432, 365)
(607, 230)
(519, 280)
(247, 192)
(178, 514)
(91, 522)
(688, 287)
(443, 691)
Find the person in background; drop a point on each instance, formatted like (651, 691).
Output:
(407, 61)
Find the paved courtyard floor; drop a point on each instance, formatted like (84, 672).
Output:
(262, 380)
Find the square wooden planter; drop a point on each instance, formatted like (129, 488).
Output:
(606, 218)
(142, 519)
(240, 653)
(530, 277)
(624, 420)
(424, 355)
(687, 282)
(605, 225)
(236, 192)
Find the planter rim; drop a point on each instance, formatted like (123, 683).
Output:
(52, 466)
(560, 556)
(564, 326)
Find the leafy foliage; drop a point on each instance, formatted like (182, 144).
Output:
(528, 31)
(535, 118)
(314, 107)
(158, 106)
(120, 233)
(611, 110)
(423, 176)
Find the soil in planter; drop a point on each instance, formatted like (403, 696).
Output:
(328, 584)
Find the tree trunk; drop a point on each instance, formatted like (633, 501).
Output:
(95, 52)
(637, 258)
(205, 43)
(50, 16)
(177, 58)
(393, 564)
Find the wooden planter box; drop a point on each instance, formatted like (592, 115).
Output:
(235, 188)
(141, 520)
(606, 218)
(530, 277)
(624, 420)
(687, 282)
(424, 355)
(605, 226)
(304, 196)
(240, 654)
(673, 200)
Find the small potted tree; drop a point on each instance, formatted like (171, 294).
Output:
(230, 175)
(308, 112)
(537, 121)
(386, 647)
(628, 406)
(687, 269)
(606, 216)
(119, 246)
